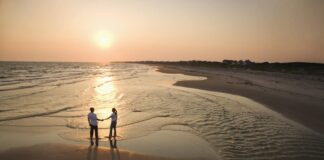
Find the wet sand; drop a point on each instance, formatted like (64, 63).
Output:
(297, 97)
(174, 144)
(52, 151)
(165, 144)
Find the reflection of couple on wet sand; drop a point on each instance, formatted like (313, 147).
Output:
(93, 123)
(94, 154)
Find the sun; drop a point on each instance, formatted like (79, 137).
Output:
(104, 40)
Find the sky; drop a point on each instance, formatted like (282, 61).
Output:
(165, 30)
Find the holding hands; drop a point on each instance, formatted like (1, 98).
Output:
(102, 119)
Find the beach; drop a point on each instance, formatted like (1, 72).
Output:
(179, 114)
(44, 109)
(67, 152)
(297, 97)
(162, 80)
(156, 147)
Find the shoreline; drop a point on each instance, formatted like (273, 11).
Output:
(293, 97)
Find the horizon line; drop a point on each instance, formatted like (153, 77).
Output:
(49, 61)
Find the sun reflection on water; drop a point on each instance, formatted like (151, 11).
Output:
(104, 85)
(106, 99)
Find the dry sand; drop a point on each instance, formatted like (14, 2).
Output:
(297, 97)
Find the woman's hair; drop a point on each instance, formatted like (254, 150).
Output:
(114, 110)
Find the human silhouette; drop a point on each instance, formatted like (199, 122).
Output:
(113, 123)
(92, 119)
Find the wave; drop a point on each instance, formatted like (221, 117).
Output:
(6, 110)
(66, 83)
(14, 125)
(22, 95)
(70, 116)
(42, 84)
(37, 114)
(114, 80)
(20, 87)
(8, 83)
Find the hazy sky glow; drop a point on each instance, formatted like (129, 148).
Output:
(68, 30)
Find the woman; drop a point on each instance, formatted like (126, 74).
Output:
(113, 124)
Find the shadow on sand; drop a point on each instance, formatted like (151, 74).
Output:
(113, 152)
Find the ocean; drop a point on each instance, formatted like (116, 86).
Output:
(47, 95)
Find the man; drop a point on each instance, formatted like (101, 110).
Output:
(92, 119)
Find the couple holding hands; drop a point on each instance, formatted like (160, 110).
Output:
(93, 123)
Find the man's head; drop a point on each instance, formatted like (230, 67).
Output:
(92, 109)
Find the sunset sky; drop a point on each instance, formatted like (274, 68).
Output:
(104, 30)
